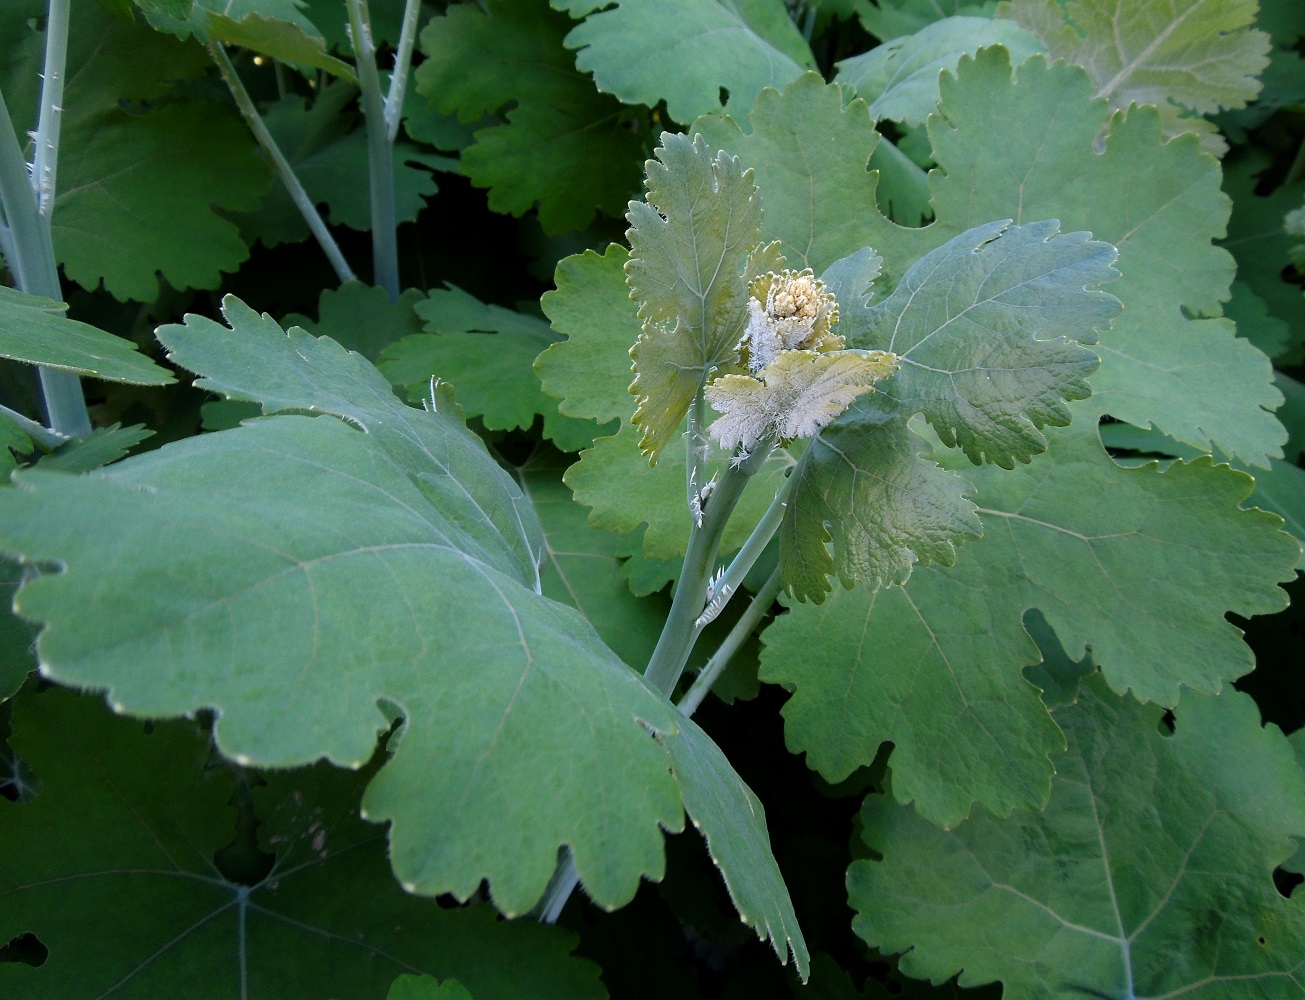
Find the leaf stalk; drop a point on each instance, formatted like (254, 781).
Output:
(286, 172)
(402, 63)
(380, 154)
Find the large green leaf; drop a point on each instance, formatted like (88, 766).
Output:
(1179, 55)
(1149, 874)
(564, 146)
(35, 330)
(486, 352)
(692, 54)
(889, 19)
(113, 867)
(900, 78)
(964, 321)
(1126, 578)
(362, 317)
(582, 567)
(319, 561)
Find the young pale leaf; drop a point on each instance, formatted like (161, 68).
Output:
(112, 867)
(900, 78)
(564, 145)
(966, 322)
(689, 246)
(1149, 874)
(793, 397)
(1144, 581)
(589, 372)
(486, 353)
(705, 52)
(1201, 55)
(35, 330)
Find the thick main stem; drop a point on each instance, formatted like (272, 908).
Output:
(380, 154)
(286, 172)
(682, 628)
(28, 203)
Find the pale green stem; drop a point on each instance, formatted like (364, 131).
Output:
(380, 154)
(696, 448)
(738, 635)
(402, 63)
(1297, 165)
(682, 626)
(286, 172)
(42, 435)
(721, 590)
(45, 158)
(31, 246)
(565, 880)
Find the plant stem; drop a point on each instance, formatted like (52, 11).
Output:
(380, 154)
(42, 435)
(28, 208)
(286, 172)
(45, 158)
(742, 563)
(1297, 165)
(402, 63)
(743, 628)
(681, 629)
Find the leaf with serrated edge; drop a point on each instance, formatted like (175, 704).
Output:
(486, 353)
(689, 242)
(900, 77)
(1149, 873)
(112, 867)
(1158, 363)
(256, 360)
(733, 822)
(35, 330)
(1201, 55)
(324, 580)
(704, 47)
(964, 323)
(1143, 580)
(563, 146)
(361, 317)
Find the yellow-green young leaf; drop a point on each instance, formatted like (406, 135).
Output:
(1148, 874)
(706, 52)
(113, 866)
(795, 396)
(1181, 55)
(690, 242)
(589, 372)
(1138, 565)
(35, 330)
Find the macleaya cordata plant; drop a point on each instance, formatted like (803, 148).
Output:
(419, 710)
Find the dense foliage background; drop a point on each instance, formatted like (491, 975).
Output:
(1036, 757)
